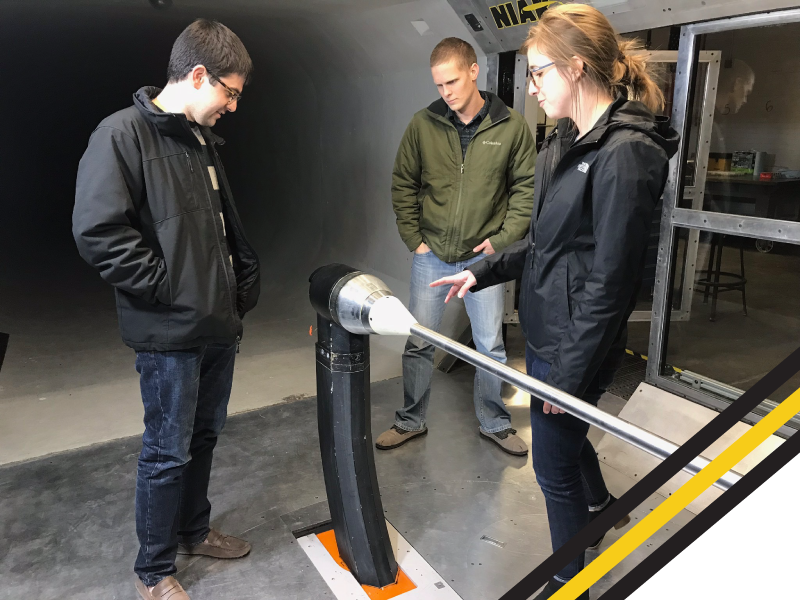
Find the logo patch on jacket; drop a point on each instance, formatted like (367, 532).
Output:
(488, 143)
(583, 167)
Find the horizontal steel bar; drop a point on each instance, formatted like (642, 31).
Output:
(628, 432)
(774, 17)
(753, 227)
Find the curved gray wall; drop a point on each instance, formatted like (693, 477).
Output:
(309, 155)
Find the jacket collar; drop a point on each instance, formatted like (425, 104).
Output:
(169, 124)
(625, 114)
(498, 110)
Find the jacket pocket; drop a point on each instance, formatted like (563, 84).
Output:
(526, 287)
(174, 193)
(577, 272)
(141, 322)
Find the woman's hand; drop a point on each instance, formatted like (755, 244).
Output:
(461, 284)
(549, 409)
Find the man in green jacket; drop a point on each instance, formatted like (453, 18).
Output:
(462, 189)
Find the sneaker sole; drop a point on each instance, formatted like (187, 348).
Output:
(499, 445)
(211, 552)
(407, 438)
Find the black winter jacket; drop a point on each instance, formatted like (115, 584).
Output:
(146, 219)
(593, 208)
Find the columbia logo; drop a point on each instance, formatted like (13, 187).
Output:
(583, 167)
(487, 143)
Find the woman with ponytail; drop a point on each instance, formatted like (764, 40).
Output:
(598, 179)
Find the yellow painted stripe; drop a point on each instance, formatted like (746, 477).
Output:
(533, 7)
(681, 498)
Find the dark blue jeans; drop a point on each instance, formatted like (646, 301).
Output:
(185, 395)
(566, 464)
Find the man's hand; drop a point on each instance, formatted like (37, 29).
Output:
(549, 409)
(422, 249)
(485, 248)
(461, 284)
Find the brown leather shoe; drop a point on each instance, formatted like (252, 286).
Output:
(508, 440)
(395, 437)
(217, 545)
(167, 589)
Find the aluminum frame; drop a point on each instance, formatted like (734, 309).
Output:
(694, 192)
(674, 217)
(510, 314)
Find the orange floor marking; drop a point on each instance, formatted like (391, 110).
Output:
(401, 586)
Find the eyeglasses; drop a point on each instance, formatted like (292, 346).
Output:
(233, 96)
(537, 73)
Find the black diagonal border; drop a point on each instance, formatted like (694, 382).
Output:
(687, 535)
(3, 347)
(650, 484)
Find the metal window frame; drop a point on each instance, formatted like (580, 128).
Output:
(696, 191)
(510, 314)
(674, 217)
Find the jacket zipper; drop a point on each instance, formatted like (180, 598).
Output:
(234, 215)
(189, 161)
(555, 163)
(222, 256)
(461, 178)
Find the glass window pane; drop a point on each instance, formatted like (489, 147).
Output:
(740, 315)
(754, 158)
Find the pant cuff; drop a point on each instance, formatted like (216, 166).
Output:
(601, 506)
(192, 540)
(396, 424)
(152, 582)
(497, 429)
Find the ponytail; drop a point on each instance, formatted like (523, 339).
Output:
(630, 77)
(610, 63)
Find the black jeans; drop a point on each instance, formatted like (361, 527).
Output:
(185, 395)
(566, 464)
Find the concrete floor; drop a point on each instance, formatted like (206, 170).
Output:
(736, 349)
(67, 520)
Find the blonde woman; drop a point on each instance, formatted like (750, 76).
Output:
(598, 178)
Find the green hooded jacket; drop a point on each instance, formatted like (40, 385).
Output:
(454, 205)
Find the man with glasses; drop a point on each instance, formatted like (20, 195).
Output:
(155, 216)
(462, 189)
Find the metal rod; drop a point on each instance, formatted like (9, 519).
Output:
(627, 432)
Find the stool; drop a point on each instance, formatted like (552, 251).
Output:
(711, 282)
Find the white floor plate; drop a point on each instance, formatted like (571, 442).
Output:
(430, 586)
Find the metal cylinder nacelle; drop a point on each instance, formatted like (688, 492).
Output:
(359, 302)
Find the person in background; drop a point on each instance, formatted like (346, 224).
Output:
(462, 189)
